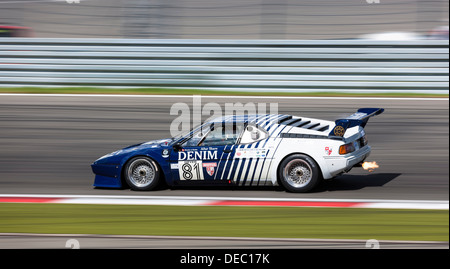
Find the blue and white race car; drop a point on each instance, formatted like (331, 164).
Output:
(251, 150)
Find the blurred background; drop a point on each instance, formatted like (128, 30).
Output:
(231, 19)
(393, 46)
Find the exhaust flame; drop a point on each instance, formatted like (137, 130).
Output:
(370, 166)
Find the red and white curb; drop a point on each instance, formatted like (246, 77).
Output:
(222, 201)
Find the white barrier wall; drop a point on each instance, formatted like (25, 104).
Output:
(245, 65)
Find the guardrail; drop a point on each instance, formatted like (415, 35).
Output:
(256, 65)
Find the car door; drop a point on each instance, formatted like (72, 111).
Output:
(204, 156)
(250, 157)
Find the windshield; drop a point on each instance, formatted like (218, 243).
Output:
(211, 134)
(183, 136)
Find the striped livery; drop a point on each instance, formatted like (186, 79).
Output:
(249, 150)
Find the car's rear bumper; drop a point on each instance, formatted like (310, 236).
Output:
(341, 164)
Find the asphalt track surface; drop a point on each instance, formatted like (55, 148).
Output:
(48, 143)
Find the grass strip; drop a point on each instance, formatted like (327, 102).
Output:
(277, 222)
(166, 91)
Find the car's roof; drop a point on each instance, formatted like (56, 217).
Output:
(298, 123)
(256, 118)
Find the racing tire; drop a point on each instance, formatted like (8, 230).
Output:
(141, 174)
(299, 173)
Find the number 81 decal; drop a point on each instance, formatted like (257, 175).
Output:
(190, 170)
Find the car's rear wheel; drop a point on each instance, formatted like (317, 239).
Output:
(299, 173)
(141, 174)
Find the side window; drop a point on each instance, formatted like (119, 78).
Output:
(253, 134)
(223, 135)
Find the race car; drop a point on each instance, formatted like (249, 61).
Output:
(243, 150)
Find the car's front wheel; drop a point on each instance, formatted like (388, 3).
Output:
(141, 174)
(299, 173)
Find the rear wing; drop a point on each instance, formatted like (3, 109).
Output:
(360, 118)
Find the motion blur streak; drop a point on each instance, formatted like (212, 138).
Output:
(218, 19)
(54, 241)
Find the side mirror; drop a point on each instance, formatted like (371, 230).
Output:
(255, 135)
(177, 147)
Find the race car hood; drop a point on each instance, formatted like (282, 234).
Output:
(151, 144)
(116, 156)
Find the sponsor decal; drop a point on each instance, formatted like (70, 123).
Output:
(174, 166)
(190, 162)
(210, 168)
(197, 155)
(328, 150)
(165, 153)
(357, 116)
(339, 131)
(251, 153)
